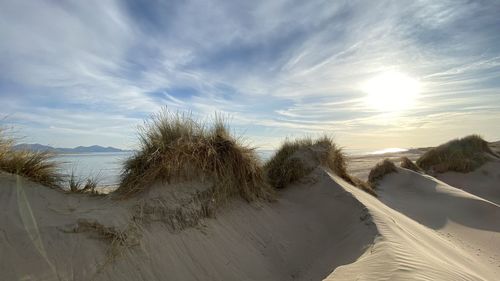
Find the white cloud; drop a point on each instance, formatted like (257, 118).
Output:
(287, 67)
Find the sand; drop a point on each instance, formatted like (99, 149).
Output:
(429, 231)
(321, 228)
(483, 182)
(305, 235)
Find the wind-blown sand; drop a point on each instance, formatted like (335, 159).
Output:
(429, 231)
(418, 228)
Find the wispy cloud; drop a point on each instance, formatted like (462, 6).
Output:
(76, 73)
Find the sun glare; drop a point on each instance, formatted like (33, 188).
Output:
(391, 91)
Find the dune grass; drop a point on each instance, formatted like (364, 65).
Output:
(408, 164)
(381, 169)
(38, 166)
(297, 158)
(283, 169)
(286, 166)
(84, 186)
(459, 155)
(176, 147)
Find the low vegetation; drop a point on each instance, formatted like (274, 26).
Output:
(296, 159)
(176, 147)
(85, 186)
(459, 155)
(40, 167)
(283, 168)
(35, 165)
(408, 164)
(380, 170)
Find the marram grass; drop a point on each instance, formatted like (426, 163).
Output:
(381, 169)
(408, 164)
(459, 155)
(176, 147)
(38, 166)
(286, 166)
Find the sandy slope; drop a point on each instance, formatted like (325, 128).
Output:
(310, 231)
(457, 238)
(483, 182)
(423, 228)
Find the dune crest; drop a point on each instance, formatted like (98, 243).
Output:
(483, 182)
(409, 250)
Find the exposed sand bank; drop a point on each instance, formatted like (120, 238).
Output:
(483, 182)
(305, 235)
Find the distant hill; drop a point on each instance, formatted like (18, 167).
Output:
(78, 149)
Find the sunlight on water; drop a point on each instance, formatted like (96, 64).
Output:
(389, 150)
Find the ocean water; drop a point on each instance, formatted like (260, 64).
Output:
(105, 166)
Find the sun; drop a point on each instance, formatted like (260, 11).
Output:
(391, 91)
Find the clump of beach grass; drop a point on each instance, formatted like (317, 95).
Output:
(408, 164)
(459, 155)
(84, 186)
(381, 169)
(175, 147)
(297, 158)
(38, 166)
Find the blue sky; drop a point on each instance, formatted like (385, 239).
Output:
(88, 72)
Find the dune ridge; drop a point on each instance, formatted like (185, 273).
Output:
(483, 182)
(409, 250)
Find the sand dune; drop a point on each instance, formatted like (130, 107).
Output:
(483, 182)
(452, 241)
(305, 235)
(418, 228)
(468, 221)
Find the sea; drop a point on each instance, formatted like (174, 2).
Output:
(107, 167)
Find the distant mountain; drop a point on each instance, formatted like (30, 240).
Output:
(78, 149)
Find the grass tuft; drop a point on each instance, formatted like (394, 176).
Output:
(87, 186)
(296, 159)
(380, 170)
(408, 164)
(37, 166)
(176, 147)
(459, 155)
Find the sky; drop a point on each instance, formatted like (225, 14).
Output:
(89, 72)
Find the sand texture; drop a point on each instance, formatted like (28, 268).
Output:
(305, 235)
(321, 228)
(429, 231)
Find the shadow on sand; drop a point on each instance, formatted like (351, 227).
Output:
(433, 204)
